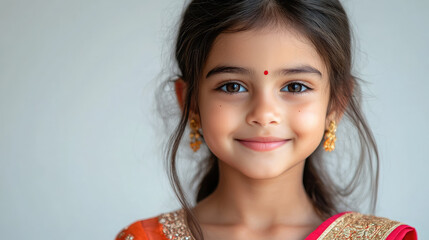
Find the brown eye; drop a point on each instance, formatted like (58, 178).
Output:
(233, 88)
(295, 88)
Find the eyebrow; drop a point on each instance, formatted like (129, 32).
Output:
(228, 69)
(245, 71)
(300, 69)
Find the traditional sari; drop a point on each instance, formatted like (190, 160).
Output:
(347, 225)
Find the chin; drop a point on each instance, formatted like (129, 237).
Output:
(265, 172)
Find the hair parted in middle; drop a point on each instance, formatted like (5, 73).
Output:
(325, 24)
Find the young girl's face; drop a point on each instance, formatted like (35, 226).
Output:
(263, 101)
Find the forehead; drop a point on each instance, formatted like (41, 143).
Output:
(264, 48)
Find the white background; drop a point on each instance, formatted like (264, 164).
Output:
(80, 153)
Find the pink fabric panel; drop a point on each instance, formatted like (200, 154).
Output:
(403, 232)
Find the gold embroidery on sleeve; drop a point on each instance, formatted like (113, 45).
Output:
(353, 226)
(122, 234)
(129, 237)
(174, 225)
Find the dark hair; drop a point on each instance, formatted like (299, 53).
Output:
(325, 24)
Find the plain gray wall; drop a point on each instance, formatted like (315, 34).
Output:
(80, 156)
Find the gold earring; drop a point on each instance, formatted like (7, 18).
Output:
(330, 137)
(194, 135)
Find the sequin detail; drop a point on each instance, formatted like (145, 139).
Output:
(352, 226)
(129, 237)
(174, 226)
(122, 234)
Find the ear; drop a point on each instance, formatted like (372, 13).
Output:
(333, 116)
(336, 114)
(180, 89)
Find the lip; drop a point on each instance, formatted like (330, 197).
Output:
(263, 144)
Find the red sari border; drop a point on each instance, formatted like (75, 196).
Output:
(404, 232)
(352, 225)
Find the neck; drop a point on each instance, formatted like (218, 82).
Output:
(258, 202)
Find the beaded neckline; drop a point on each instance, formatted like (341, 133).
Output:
(174, 225)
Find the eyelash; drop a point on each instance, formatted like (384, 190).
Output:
(304, 88)
(223, 88)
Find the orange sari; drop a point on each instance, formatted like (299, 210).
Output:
(347, 225)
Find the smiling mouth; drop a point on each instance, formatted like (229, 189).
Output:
(263, 144)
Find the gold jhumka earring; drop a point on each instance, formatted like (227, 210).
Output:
(194, 135)
(330, 137)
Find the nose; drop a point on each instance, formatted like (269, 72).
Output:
(264, 110)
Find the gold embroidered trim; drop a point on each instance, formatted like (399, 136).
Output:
(122, 234)
(353, 226)
(174, 225)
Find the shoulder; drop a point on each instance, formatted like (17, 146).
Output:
(157, 228)
(148, 229)
(353, 225)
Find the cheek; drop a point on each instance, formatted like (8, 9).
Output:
(218, 121)
(308, 121)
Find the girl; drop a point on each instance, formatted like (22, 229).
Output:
(263, 83)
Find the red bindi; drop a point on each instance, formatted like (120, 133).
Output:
(266, 72)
